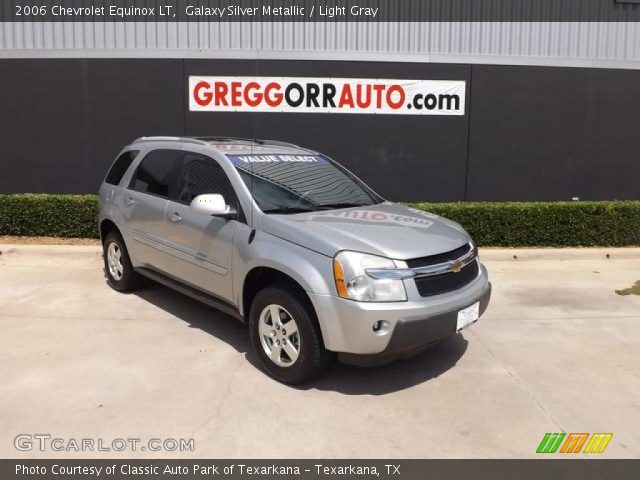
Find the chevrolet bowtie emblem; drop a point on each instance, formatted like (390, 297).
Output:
(456, 266)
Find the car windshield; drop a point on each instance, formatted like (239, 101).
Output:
(284, 183)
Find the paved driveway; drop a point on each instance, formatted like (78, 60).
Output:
(558, 350)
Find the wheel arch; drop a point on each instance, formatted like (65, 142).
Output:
(107, 226)
(261, 277)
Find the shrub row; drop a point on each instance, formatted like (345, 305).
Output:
(506, 224)
(34, 215)
(545, 224)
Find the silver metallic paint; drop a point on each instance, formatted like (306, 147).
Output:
(217, 255)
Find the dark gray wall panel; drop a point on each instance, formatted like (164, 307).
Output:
(402, 157)
(44, 125)
(131, 99)
(63, 121)
(528, 132)
(534, 133)
(614, 136)
(553, 134)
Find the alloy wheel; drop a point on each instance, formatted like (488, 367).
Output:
(279, 335)
(114, 261)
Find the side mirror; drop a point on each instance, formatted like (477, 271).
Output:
(212, 204)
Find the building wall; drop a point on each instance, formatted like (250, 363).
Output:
(528, 133)
(605, 44)
(551, 108)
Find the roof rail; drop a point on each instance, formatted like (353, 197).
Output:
(222, 138)
(286, 144)
(170, 139)
(260, 141)
(279, 143)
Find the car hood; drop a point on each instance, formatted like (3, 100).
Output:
(386, 229)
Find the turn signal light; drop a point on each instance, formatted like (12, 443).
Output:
(338, 274)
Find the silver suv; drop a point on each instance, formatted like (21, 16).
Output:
(290, 242)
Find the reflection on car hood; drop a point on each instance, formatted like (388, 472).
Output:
(387, 229)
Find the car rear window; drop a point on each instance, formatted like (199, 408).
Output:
(155, 174)
(120, 166)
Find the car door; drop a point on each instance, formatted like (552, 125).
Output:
(201, 245)
(144, 206)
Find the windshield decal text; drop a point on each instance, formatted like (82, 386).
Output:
(248, 159)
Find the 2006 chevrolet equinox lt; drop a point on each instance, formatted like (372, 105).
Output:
(287, 240)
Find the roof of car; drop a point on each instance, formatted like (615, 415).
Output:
(235, 145)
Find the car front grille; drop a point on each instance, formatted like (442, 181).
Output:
(447, 282)
(440, 257)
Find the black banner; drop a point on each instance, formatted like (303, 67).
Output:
(319, 10)
(322, 469)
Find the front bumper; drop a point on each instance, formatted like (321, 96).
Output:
(347, 326)
(411, 334)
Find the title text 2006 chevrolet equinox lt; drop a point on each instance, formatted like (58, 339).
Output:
(289, 241)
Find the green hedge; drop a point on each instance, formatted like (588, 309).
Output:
(507, 224)
(545, 224)
(49, 215)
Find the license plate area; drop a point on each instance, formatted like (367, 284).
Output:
(468, 316)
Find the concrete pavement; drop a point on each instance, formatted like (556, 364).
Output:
(558, 350)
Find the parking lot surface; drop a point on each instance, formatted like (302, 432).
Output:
(557, 351)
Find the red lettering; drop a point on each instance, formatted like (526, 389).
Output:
(379, 89)
(346, 97)
(221, 94)
(252, 94)
(275, 99)
(252, 100)
(202, 98)
(400, 102)
(236, 94)
(366, 101)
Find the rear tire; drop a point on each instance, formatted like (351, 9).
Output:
(117, 264)
(286, 337)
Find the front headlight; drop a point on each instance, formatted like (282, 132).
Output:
(352, 281)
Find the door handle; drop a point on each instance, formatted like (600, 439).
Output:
(129, 201)
(174, 217)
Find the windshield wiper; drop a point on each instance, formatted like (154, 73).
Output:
(289, 210)
(328, 206)
(325, 206)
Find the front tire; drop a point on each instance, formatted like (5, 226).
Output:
(286, 337)
(117, 264)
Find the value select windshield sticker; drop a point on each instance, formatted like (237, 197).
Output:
(249, 159)
(326, 95)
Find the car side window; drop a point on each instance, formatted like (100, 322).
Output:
(200, 175)
(120, 166)
(156, 172)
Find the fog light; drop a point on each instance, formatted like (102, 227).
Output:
(381, 327)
